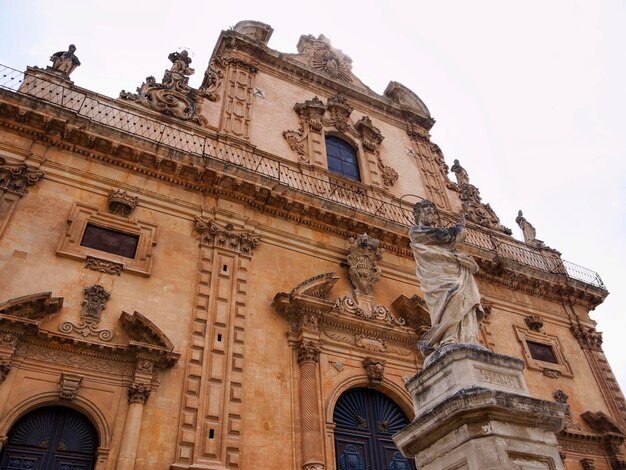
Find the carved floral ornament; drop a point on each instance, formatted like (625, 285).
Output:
(314, 117)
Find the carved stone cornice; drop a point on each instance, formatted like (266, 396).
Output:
(308, 352)
(236, 62)
(32, 307)
(226, 236)
(588, 338)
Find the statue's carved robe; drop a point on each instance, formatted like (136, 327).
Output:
(447, 280)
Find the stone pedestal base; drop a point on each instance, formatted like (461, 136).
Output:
(473, 412)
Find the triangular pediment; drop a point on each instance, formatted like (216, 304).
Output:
(601, 423)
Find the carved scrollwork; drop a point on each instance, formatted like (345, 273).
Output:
(588, 338)
(173, 96)
(323, 57)
(347, 304)
(103, 265)
(371, 343)
(94, 300)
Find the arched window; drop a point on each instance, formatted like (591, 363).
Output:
(342, 158)
(365, 420)
(51, 437)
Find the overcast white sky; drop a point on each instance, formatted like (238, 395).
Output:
(528, 95)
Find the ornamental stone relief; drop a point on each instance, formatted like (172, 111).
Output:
(319, 54)
(173, 96)
(121, 203)
(227, 236)
(588, 338)
(94, 300)
(347, 304)
(375, 370)
(363, 257)
(475, 210)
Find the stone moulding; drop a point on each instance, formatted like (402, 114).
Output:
(83, 214)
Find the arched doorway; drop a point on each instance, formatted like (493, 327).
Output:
(52, 437)
(365, 420)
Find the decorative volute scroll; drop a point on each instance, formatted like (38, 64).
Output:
(227, 236)
(173, 96)
(415, 311)
(475, 210)
(316, 118)
(363, 258)
(94, 300)
(588, 338)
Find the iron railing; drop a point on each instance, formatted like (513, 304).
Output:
(106, 111)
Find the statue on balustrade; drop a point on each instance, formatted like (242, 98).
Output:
(65, 61)
(447, 280)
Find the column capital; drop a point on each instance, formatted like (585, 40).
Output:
(308, 352)
(226, 236)
(138, 393)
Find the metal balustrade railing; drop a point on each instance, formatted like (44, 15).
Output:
(106, 111)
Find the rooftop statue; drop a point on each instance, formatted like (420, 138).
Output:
(65, 61)
(461, 175)
(447, 280)
(180, 63)
(529, 232)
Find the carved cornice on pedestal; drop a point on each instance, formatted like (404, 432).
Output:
(226, 236)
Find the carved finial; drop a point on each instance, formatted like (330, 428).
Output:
(65, 62)
(363, 261)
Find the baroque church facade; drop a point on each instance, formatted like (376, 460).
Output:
(221, 278)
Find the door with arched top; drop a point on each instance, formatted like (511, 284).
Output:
(365, 420)
(51, 438)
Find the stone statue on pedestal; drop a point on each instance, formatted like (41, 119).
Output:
(447, 280)
(65, 61)
(529, 232)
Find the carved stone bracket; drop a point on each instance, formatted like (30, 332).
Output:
(363, 258)
(68, 386)
(173, 96)
(121, 203)
(226, 236)
(375, 369)
(95, 298)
